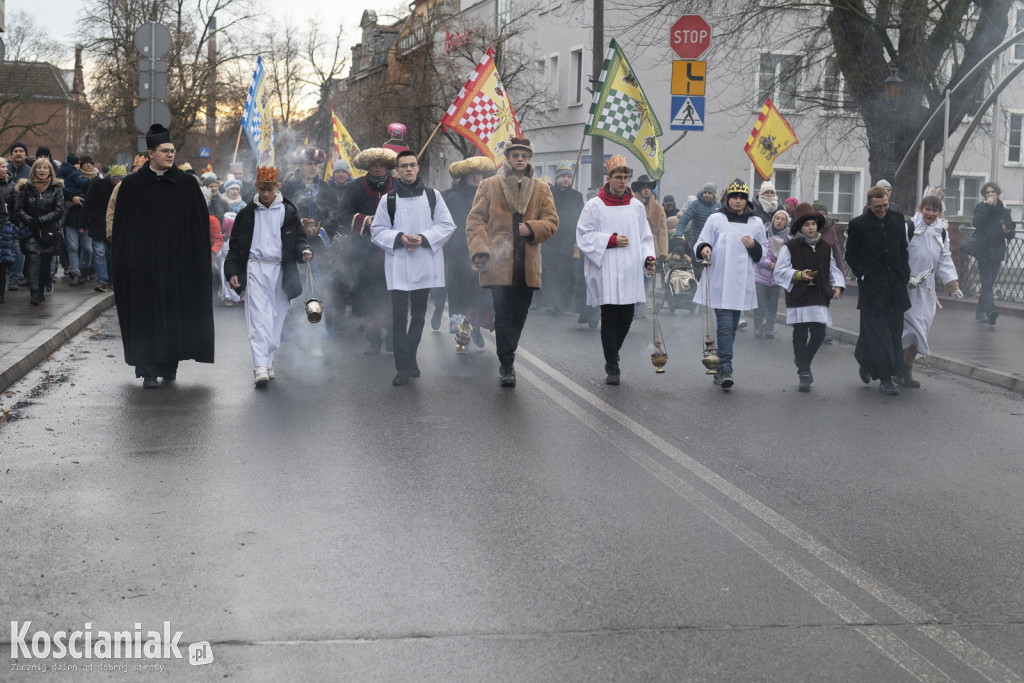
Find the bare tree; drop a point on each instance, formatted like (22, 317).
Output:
(26, 41)
(847, 49)
(107, 28)
(325, 57)
(287, 72)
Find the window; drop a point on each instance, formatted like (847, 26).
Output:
(962, 194)
(552, 76)
(834, 93)
(1018, 47)
(778, 79)
(504, 12)
(838, 190)
(784, 179)
(1013, 151)
(576, 76)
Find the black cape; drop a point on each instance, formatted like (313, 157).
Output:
(161, 243)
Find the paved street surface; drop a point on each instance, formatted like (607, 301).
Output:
(334, 527)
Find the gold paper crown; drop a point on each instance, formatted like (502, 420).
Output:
(139, 160)
(185, 166)
(737, 187)
(117, 171)
(617, 161)
(266, 174)
(564, 166)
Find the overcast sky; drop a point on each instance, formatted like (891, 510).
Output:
(60, 15)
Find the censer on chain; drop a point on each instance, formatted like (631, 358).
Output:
(462, 334)
(314, 309)
(710, 359)
(660, 356)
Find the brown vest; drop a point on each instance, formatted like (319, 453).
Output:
(806, 258)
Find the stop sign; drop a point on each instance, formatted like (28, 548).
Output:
(690, 36)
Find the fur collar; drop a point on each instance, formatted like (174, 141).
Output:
(518, 192)
(54, 182)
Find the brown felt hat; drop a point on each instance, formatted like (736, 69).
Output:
(805, 212)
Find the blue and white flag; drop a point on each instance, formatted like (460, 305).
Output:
(257, 118)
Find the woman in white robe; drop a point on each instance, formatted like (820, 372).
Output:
(929, 256)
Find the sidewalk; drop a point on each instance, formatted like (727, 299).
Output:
(958, 343)
(28, 334)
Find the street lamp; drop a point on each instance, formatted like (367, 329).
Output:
(893, 90)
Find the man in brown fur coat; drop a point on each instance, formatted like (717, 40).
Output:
(511, 215)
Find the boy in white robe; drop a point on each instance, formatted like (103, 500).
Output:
(615, 239)
(734, 240)
(929, 256)
(266, 244)
(411, 227)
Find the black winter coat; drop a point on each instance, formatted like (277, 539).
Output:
(293, 243)
(568, 206)
(988, 228)
(38, 216)
(876, 251)
(94, 211)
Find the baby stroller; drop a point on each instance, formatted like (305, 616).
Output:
(680, 282)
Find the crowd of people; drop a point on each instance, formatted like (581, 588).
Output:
(378, 244)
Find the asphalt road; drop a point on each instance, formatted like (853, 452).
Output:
(334, 527)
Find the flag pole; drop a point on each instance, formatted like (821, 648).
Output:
(237, 140)
(579, 155)
(436, 128)
(734, 167)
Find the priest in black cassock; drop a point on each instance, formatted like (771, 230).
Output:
(161, 242)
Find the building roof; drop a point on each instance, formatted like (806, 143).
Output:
(38, 80)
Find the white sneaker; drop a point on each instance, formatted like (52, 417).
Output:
(262, 377)
(270, 372)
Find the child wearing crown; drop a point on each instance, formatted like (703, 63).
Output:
(267, 243)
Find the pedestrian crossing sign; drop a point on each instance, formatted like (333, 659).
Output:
(687, 113)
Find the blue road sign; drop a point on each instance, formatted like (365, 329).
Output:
(687, 113)
(204, 152)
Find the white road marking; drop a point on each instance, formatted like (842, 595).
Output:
(948, 638)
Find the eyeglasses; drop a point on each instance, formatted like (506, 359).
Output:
(518, 155)
(411, 165)
(621, 177)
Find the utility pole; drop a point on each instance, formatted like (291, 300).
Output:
(211, 82)
(596, 141)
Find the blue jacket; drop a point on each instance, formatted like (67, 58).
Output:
(698, 212)
(75, 185)
(9, 234)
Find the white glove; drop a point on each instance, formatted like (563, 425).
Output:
(957, 294)
(912, 283)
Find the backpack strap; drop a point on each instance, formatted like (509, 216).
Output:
(432, 200)
(393, 200)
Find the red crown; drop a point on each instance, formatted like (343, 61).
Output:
(266, 174)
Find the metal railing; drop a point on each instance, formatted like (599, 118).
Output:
(1009, 286)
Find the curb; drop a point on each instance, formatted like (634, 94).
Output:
(951, 365)
(16, 364)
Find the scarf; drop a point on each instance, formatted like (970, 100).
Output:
(610, 199)
(91, 175)
(809, 240)
(377, 184)
(41, 185)
(769, 205)
(920, 226)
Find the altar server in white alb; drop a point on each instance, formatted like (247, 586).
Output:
(267, 243)
(411, 225)
(616, 241)
(929, 256)
(734, 239)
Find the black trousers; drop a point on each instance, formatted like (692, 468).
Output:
(37, 270)
(880, 343)
(988, 270)
(615, 323)
(157, 370)
(804, 348)
(408, 332)
(511, 306)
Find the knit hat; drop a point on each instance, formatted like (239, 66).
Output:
(16, 145)
(883, 183)
(668, 198)
(42, 150)
(820, 206)
(209, 177)
(341, 165)
(615, 163)
(710, 187)
(157, 135)
(518, 143)
(84, 159)
(72, 159)
(231, 183)
(459, 169)
(805, 212)
(791, 203)
(563, 168)
(767, 186)
(117, 171)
